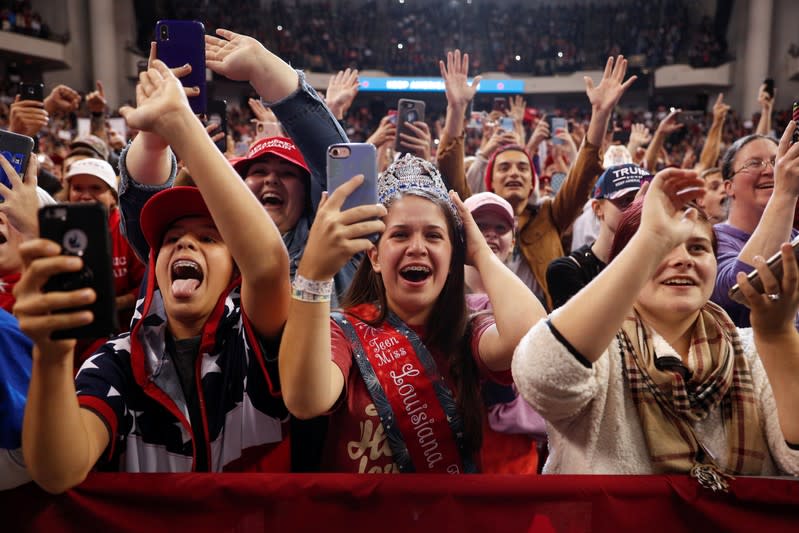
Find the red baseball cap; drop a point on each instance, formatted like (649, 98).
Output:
(165, 208)
(282, 147)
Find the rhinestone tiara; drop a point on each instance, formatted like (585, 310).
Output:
(413, 175)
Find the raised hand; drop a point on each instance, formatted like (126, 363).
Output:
(385, 133)
(475, 241)
(720, 109)
(27, 117)
(264, 114)
(663, 218)
(420, 142)
(517, 107)
(611, 87)
(639, 136)
(160, 98)
(786, 165)
(95, 100)
(62, 99)
(773, 311)
(764, 98)
(20, 203)
(233, 55)
(338, 235)
(40, 313)
(455, 73)
(341, 91)
(540, 133)
(669, 124)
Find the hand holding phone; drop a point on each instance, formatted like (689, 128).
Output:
(31, 91)
(407, 111)
(17, 151)
(774, 264)
(81, 230)
(179, 42)
(556, 126)
(346, 160)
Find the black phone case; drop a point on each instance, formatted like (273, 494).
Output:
(31, 91)
(407, 111)
(81, 229)
(184, 42)
(17, 150)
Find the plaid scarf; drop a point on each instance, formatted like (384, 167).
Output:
(670, 397)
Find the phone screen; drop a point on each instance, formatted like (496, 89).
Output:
(16, 149)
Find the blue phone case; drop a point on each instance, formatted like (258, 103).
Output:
(17, 150)
(361, 159)
(183, 41)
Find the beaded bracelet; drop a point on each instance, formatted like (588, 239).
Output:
(306, 290)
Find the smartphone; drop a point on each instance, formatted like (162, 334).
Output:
(506, 123)
(769, 83)
(557, 125)
(407, 111)
(774, 264)
(31, 91)
(183, 41)
(217, 114)
(500, 104)
(346, 160)
(17, 150)
(556, 181)
(795, 118)
(392, 113)
(81, 229)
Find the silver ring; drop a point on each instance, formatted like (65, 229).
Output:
(773, 297)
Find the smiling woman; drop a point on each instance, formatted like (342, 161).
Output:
(399, 369)
(666, 383)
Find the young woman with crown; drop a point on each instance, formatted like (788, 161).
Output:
(398, 370)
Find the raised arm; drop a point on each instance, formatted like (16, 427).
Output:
(712, 147)
(766, 102)
(459, 93)
(516, 309)
(611, 294)
(776, 338)
(776, 222)
(301, 111)
(256, 246)
(604, 97)
(61, 442)
(310, 380)
(667, 126)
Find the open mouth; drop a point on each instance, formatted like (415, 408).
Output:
(679, 282)
(416, 273)
(186, 278)
(3, 238)
(271, 199)
(513, 183)
(768, 185)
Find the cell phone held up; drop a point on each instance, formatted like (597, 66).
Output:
(179, 42)
(795, 118)
(346, 160)
(17, 150)
(407, 111)
(31, 91)
(81, 229)
(774, 264)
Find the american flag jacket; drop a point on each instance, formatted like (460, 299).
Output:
(132, 385)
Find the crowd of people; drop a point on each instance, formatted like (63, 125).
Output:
(407, 38)
(517, 297)
(18, 16)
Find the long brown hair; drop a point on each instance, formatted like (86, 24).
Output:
(447, 328)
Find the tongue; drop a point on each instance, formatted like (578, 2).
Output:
(183, 288)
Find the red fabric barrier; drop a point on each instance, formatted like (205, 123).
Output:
(380, 503)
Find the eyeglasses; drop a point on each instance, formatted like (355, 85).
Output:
(757, 165)
(623, 202)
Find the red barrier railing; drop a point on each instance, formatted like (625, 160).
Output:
(381, 503)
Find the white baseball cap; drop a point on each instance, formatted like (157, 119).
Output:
(94, 167)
